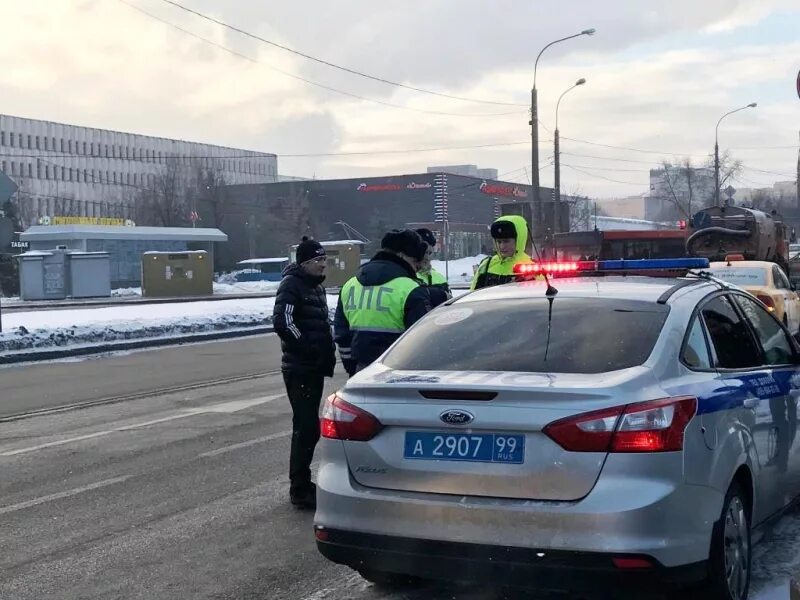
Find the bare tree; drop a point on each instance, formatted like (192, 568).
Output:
(210, 186)
(166, 203)
(680, 187)
(729, 169)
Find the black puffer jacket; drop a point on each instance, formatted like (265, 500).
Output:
(302, 321)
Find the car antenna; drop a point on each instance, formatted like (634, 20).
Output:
(550, 292)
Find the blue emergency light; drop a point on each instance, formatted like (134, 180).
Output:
(668, 266)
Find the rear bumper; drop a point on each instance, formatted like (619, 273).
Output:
(481, 563)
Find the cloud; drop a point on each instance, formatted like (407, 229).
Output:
(102, 64)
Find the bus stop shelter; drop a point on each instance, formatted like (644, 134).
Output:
(124, 245)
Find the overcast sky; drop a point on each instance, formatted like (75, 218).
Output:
(659, 76)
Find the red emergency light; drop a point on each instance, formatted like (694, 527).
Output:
(554, 267)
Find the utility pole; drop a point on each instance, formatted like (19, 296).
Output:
(538, 209)
(716, 150)
(557, 159)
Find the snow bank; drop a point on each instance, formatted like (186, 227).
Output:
(460, 271)
(59, 328)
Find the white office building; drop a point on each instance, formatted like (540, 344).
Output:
(92, 172)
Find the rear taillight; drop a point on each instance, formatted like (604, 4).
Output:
(767, 301)
(654, 426)
(341, 420)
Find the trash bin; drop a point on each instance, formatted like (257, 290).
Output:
(43, 275)
(177, 274)
(89, 274)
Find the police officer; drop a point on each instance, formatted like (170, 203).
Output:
(437, 283)
(510, 235)
(381, 301)
(301, 319)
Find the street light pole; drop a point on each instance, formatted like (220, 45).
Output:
(716, 150)
(534, 123)
(557, 163)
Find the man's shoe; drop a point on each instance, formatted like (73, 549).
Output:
(306, 499)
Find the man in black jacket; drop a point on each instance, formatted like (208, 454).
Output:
(302, 321)
(383, 300)
(438, 288)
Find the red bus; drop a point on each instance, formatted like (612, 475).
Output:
(617, 244)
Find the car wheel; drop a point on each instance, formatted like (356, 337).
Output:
(385, 579)
(730, 556)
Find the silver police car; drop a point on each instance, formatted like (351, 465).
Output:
(627, 430)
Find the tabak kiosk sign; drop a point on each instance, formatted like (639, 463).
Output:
(507, 191)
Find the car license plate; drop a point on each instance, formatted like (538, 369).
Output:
(469, 447)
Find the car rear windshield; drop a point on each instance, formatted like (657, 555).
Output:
(742, 276)
(580, 335)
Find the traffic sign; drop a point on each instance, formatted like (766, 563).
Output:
(729, 191)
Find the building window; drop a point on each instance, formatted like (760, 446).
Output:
(2, 138)
(12, 140)
(94, 176)
(37, 143)
(161, 157)
(47, 171)
(4, 166)
(115, 177)
(84, 148)
(13, 168)
(38, 170)
(53, 145)
(62, 144)
(107, 156)
(30, 170)
(30, 142)
(69, 146)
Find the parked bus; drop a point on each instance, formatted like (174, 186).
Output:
(615, 244)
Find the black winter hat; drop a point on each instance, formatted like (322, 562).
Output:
(406, 241)
(503, 230)
(308, 249)
(427, 236)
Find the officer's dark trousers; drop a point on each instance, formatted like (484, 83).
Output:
(305, 393)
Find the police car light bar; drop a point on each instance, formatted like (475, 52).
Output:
(560, 268)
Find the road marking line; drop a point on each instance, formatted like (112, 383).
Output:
(74, 492)
(253, 442)
(223, 407)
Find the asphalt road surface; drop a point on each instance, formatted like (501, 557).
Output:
(179, 494)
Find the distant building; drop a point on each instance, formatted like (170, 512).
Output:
(781, 195)
(465, 171)
(632, 207)
(677, 192)
(264, 220)
(67, 170)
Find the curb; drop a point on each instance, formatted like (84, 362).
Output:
(67, 352)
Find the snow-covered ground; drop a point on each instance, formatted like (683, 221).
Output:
(458, 271)
(57, 328)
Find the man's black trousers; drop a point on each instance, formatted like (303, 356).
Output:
(305, 393)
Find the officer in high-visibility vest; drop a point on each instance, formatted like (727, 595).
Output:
(437, 283)
(510, 235)
(383, 300)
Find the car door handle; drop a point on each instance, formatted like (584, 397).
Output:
(751, 403)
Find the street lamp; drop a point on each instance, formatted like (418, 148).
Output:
(557, 163)
(716, 150)
(534, 123)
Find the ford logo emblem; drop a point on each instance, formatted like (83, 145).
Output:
(456, 417)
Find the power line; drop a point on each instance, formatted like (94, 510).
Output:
(601, 176)
(310, 81)
(336, 66)
(629, 148)
(626, 160)
(591, 168)
(768, 172)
